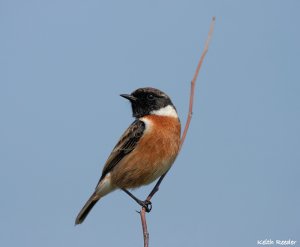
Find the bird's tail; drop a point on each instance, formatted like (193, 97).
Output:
(87, 208)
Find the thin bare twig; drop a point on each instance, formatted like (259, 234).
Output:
(193, 82)
(187, 124)
(144, 226)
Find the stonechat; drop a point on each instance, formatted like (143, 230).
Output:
(145, 151)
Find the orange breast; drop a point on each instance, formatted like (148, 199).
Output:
(153, 156)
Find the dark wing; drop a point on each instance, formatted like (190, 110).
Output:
(126, 144)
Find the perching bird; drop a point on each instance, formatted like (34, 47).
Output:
(145, 151)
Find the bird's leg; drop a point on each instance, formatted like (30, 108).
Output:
(145, 204)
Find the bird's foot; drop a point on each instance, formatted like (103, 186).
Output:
(146, 204)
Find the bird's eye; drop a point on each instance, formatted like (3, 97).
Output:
(150, 96)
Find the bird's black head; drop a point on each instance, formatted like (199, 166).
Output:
(145, 101)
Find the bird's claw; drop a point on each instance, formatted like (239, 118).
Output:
(147, 205)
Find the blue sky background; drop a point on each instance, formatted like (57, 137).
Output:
(63, 65)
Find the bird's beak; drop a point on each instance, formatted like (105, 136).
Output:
(129, 97)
